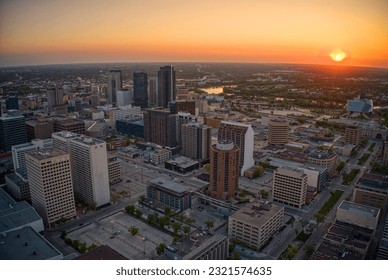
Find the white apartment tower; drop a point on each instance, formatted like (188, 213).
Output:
(289, 186)
(51, 186)
(242, 136)
(90, 170)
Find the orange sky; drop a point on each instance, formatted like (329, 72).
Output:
(298, 31)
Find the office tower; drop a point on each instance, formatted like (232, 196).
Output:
(255, 224)
(184, 106)
(160, 127)
(94, 100)
(196, 140)
(382, 253)
(278, 132)
(54, 97)
(114, 84)
(41, 128)
(242, 136)
(12, 103)
(89, 164)
(182, 118)
(12, 130)
(140, 89)
(353, 135)
(166, 86)
(289, 186)
(224, 170)
(124, 97)
(51, 187)
(153, 96)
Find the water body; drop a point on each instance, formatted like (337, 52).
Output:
(215, 90)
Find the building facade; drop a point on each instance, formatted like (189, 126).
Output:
(114, 84)
(242, 136)
(166, 86)
(289, 186)
(278, 132)
(353, 135)
(254, 224)
(12, 130)
(140, 89)
(196, 140)
(224, 170)
(326, 159)
(160, 127)
(51, 187)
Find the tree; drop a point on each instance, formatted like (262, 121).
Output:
(142, 198)
(130, 209)
(134, 230)
(160, 248)
(186, 229)
(63, 234)
(176, 226)
(259, 171)
(164, 221)
(138, 213)
(264, 194)
(167, 211)
(320, 217)
(151, 218)
(209, 224)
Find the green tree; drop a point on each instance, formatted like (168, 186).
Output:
(186, 229)
(164, 221)
(264, 194)
(138, 213)
(151, 218)
(130, 209)
(142, 198)
(209, 224)
(259, 171)
(176, 226)
(167, 211)
(133, 230)
(160, 248)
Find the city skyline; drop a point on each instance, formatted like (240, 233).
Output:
(308, 32)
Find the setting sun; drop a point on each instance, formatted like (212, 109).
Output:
(337, 55)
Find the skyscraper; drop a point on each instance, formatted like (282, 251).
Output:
(242, 136)
(140, 89)
(51, 185)
(54, 97)
(89, 162)
(114, 84)
(167, 85)
(224, 170)
(196, 140)
(153, 97)
(160, 127)
(12, 130)
(182, 118)
(12, 103)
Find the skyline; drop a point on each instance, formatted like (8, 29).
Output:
(62, 32)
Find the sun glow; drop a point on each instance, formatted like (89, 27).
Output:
(337, 55)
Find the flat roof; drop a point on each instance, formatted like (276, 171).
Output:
(170, 185)
(359, 209)
(236, 123)
(17, 180)
(26, 244)
(257, 214)
(46, 153)
(103, 252)
(182, 161)
(88, 140)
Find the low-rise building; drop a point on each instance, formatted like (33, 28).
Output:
(159, 156)
(114, 170)
(358, 214)
(181, 164)
(255, 224)
(169, 193)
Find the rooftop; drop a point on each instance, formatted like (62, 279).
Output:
(359, 209)
(182, 161)
(26, 244)
(169, 185)
(374, 181)
(321, 154)
(257, 214)
(88, 140)
(46, 153)
(103, 252)
(15, 214)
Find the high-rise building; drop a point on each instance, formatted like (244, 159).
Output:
(382, 253)
(51, 187)
(12, 130)
(12, 103)
(140, 89)
(160, 127)
(255, 224)
(166, 85)
(89, 164)
(54, 97)
(278, 132)
(182, 118)
(289, 186)
(114, 84)
(183, 106)
(353, 135)
(124, 97)
(224, 170)
(196, 140)
(67, 124)
(41, 128)
(153, 86)
(242, 136)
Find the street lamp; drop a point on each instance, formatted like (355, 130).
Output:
(144, 240)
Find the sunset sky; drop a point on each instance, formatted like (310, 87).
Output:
(276, 31)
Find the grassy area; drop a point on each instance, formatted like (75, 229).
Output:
(329, 204)
(303, 236)
(348, 178)
(370, 149)
(363, 159)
